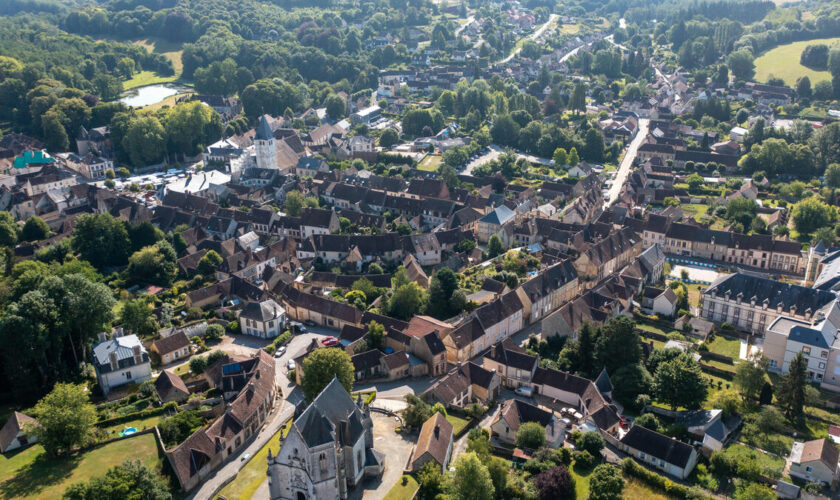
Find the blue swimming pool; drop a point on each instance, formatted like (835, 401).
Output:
(128, 431)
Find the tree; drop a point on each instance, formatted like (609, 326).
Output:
(574, 159)
(750, 378)
(198, 364)
(618, 344)
(8, 230)
(443, 285)
(156, 264)
(388, 138)
(65, 418)
(336, 107)
(376, 335)
(811, 214)
(417, 411)
(144, 141)
(648, 421)
(101, 240)
(591, 442)
(605, 483)
(294, 203)
(832, 175)
(407, 300)
(695, 182)
(209, 263)
(560, 157)
(431, 479)
(138, 318)
(755, 491)
(680, 382)
(35, 229)
(577, 102)
(131, 480)
(471, 479)
(629, 381)
(741, 63)
(495, 247)
(791, 391)
(321, 366)
(803, 87)
(530, 435)
(505, 131)
(593, 149)
(214, 331)
(555, 484)
(586, 350)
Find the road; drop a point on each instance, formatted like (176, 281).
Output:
(627, 161)
(460, 28)
(535, 35)
(495, 152)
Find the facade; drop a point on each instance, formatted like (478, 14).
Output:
(266, 319)
(514, 413)
(120, 361)
(14, 433)
(265, 145)
(172, 348)
(328, 451)
(814, 461)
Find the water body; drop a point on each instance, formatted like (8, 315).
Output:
(150, 94)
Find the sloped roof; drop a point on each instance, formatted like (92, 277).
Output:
(658, 445)
(12, 427)
(435, 439)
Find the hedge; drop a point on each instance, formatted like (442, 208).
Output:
(654, 480)
(131, 416)
(713, 370)
(717, 357)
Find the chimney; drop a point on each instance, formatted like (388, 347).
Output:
(138, 356)
(103, 336)
(251, 387)
(437, 432)
(113, 357)
(493, 351)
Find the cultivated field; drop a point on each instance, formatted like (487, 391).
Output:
(783, 62)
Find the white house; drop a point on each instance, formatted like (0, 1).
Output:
(13, 435)
(514, 413)
(660, 451)
(120, 361)
(814, 461)
(265, 319)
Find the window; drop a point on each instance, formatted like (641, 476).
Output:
(824, 354)
(822, 366)
(322, 460)
(806, 350)
(808, 468)
(127, 374)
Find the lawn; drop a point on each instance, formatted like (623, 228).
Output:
(633, 488)
(139, 424)
(144, 78)
(253, 474)
(570, 28)
(31, 474)
(725, 346)
(430, 163)
(172, 50)
(771, 465)
(783, 62)
(458, 423)
(581, 477)
(404, 489)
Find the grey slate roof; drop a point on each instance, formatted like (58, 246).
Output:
(499, 216)
(776, 292)
(658, 445)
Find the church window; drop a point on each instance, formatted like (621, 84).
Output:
(323, 461)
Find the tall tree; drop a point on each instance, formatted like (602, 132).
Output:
(321, 366)
(586, 350)
(101, 240)
(471, 479)
(443, 286)
(680, 382)
(750, 378)
(131, 480)
(618, 344)
(577, 102)
(65, 418)
(791, 392)
(407, 300)
(605, 483)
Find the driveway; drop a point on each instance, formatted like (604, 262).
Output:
(397, 449)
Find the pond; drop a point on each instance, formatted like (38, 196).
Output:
(150, 94)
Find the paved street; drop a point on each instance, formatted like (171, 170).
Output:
(627, 161)
(534, 36)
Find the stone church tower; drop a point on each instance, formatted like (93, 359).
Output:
(266, 146)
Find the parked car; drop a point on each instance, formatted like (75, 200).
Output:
(294, 326)
(279, 352)
(290, 365)
(309, 322)
(524, 391)
(330, 341)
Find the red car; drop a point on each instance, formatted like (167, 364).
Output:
(330, 341)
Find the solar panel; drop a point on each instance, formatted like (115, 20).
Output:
(231, 368)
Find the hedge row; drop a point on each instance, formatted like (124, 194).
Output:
(652, 335)
(717, 357)
(131, 416)
(714, 370)
(654, 480)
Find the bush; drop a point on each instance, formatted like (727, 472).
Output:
(198, 364)
(583, 459)
(590, 441)
(214, 331)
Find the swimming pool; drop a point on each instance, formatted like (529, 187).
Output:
(128, 431)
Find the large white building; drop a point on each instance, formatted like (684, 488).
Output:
(327, 452)
(265, 319)
(120, 361)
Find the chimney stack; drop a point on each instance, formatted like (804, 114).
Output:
(114, 364)
(437, 432)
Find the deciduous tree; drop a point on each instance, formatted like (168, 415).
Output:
(321, 366)
(65, 418)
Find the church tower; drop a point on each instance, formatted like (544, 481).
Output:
(266, 148)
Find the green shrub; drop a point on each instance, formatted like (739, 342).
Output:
(583, 459)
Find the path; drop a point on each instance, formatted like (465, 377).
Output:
(542, 29)
(626, 162)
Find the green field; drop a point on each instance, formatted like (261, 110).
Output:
(32, 474)
(144, 78)
(253, 474)
(783, 62)
(430, 163)
(633, 488)
(458, 423)
(402, 491)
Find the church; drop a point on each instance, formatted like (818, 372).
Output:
(328, 451)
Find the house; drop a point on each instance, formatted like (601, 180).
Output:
(580, 393)
(464, 385)
(308, 166)
(662, 302)
(250, 391)
(265, 319)
(302, 307)
(172, 348)
(697, 327)
(120, 361)
(171, 387)
(548, 290)
(515, 367)
(434, 444)
(493, 222)
(514, 413)
(366, 115)
(328, 451)
(367, 364)
(501, 318)
(659, 451)
(318, 221)
(582, 169)
(465, 341)
(814, 461)
(14, 433)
